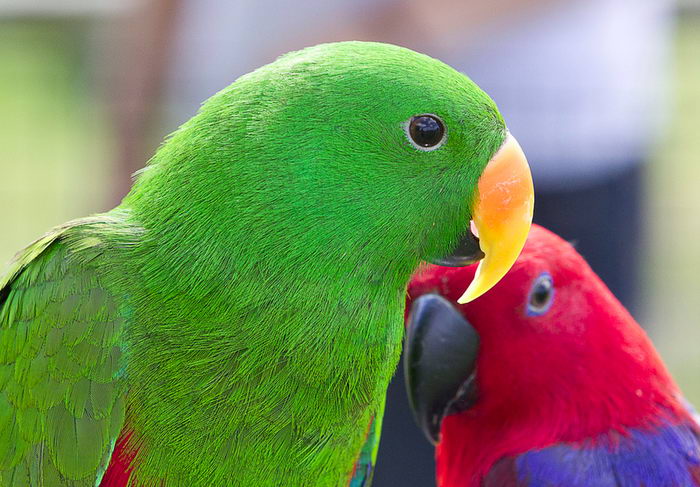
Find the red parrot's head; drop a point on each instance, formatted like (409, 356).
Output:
(550, 292)
(547, 355)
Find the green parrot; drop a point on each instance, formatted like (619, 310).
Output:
(237, 318)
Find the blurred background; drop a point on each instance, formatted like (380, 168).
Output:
(604, 96)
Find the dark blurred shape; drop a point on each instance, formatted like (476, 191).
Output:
(612, 210)
(406, 457)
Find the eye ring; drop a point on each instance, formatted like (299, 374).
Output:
(541, 295)
(426, 132)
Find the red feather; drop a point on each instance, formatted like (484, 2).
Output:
(121, 464)
(582, 369)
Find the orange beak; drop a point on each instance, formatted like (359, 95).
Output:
(502, 215)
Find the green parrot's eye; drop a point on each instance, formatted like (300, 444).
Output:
(426, 132)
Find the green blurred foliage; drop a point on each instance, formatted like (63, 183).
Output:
(54, 142)
(673, 270)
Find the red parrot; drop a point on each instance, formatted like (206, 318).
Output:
(546, 380)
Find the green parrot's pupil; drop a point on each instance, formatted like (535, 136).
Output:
(426, 130)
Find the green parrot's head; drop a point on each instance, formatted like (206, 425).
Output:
(342, 161)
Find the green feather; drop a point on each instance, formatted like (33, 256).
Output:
(77, 398)
(48, 392)
(15, 477)
(77, 331)
(6, 372)
(76, 445)
(54, 342)
(30, 424)
(56, 422)
(37, 370)
(42, 472)
(102, 397)
(12, 445)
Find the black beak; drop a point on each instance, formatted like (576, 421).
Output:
(466, 253)
(439, 362)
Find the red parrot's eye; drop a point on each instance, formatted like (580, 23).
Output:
(426, 132)
(541, 295)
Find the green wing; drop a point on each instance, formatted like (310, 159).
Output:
(61, 396)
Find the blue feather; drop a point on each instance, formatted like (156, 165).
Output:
(663, 457)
